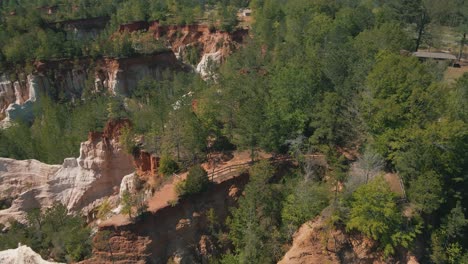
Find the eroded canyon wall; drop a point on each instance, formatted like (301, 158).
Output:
(77, 183)
(181, 232)
(68, 79)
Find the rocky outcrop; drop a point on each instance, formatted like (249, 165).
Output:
(119, 76)
(319, 242)
(17, 97)
(95, 174)
(128, 184)
(17, 180)
(18, 176)
(82, 29)
(213, 46)
(146, 164)
(99, 169)
(207, 64)
(21, 255)
(70, 78)
(208, 39)
(180, 233)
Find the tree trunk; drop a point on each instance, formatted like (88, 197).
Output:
(252, 153)
(178, 151)
(422, 24)
(462, 45)
(336, 192)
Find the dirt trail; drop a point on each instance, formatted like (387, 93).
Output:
(167, 194)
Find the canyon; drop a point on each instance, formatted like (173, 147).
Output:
(69, 78)
(159, 224)
(183, 231)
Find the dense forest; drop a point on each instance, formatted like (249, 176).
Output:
(34, 30)
(316, 77)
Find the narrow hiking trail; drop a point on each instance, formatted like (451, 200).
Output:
(166, 193)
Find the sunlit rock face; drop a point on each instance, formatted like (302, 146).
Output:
(96, 173)
(17, 98)
(21, 255)
(69, 79)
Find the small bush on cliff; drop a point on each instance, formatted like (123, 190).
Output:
(127, 201)
(197, 181)
(167, 166)
(104, 209)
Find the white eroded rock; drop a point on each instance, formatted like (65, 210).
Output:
(127, 184)
(78, 182)
(18, 176)
(17, 98)
(204, 67)
(21, 255)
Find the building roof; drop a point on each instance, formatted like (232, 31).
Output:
(434, 55)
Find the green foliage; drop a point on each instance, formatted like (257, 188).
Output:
(426, 192)
(254, 225)
(197, 181)
(167, 166)
(447, 240)
(183, 135)
(375, 213)
(327, 71)
(28, 32)
(240, 108)
(399, 93)
(15, 142)
(53, 233)
(306, 201)
(127, 140)
(213, 221)
(331, 122)
(127, 202)
(56, 132)
(104, 209)
(457, 100)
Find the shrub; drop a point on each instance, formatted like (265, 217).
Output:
(180, 188)
(127, 202)
(53, 233)
(173, 202)
(127, 141)
(306, 201)
(197, 181)
(104, 209)
(167, 166)
(141, 204)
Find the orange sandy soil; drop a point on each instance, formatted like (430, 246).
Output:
(167, 194)
(452, 74)
(394, 182)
